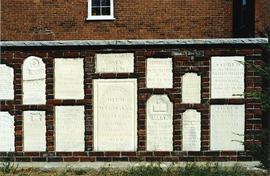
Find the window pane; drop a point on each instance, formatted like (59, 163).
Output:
(105, 2)
(106, 11)
(95, 2)
(95, 11)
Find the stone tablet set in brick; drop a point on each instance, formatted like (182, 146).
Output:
(115, 105)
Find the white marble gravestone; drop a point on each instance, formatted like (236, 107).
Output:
(159, 123)
(6, 82)
(69, 128)
(69, 78)
(34, 131)
(34, 86)
(191, 88)
(227, 77)
(115, 115)
(191, 134)
(159, 73)
(227, 127)
(7, 137)
(115, 63)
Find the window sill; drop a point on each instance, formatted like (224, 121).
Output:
(99, 18)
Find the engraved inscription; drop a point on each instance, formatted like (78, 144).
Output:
(191, 130)
(115, 115)
(159, 123)
(191, 88)
(34, 131)
(34, 86)
(115, 63)
(7, 137)
(227, 77)
(227, 127)
(159, 73)
(69, 128)
(6, 82)
(69, 78)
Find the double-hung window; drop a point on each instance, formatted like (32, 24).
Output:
(100, 10)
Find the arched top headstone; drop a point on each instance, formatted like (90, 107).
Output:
(33, 68)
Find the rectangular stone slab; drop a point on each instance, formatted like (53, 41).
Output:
(227, 127)
(159, 73)
(34, 131)
(69, 78)
(227, 77)
(159, 129)
(6, 82)
(115, 63)
(69, 128)
(7, 137)
(115, 115)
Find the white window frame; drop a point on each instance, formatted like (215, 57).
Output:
(100, 17)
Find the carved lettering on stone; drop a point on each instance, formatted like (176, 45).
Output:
(7, 137)
(115, 115)
(69, 128)
(227, 77)
(159, 123)
(159, 73)
(191, 130)
(191, 88)
(34, 86)
(34, 130)
(115, 63)
(69, 78)
(6, 82)
(227, 127)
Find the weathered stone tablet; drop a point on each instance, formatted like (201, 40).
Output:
(69, 78)
(227, 77)
(191, 88)
(227, 127)
(115, 63)
(69, 128)
(34, 131)
(159, 123)
(191, 130)
(159, 73)
(34, 86)
(115, 115)
(6, 82)
(7, 135)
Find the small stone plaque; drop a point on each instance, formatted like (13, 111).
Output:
(34, 87)
(34, 130)
(115, 115)
(159, 123)
(69, 78)
(6, 82)
(159, 73)
(191, 130)
(227, 127)
(227, 77)
(115, 63)
(7, 135)
(191, 88)
(69, 128)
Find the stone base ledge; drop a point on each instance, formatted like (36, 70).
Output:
(250, 165)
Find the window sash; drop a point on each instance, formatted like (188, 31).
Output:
(100, 17)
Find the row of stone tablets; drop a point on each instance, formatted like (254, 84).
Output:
(227, 77)
(118, 132)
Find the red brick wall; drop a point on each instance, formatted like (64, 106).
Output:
(193, 58)
(140, 19)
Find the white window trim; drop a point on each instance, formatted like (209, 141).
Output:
(104, 17)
